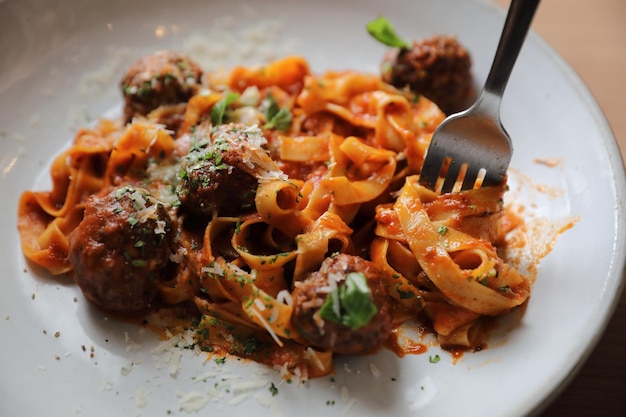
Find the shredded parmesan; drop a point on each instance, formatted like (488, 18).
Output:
(126, 369)
(167, 345)
(284, 297)
(248, 385)
(223, 47)
(160, 227)
(259, 304)
(349, 404)
(374, 370)
(215, 269)
(174, 363)
(179, 256)
(141, 399)
(192, 401)
(265, 324)
(239, 398)
(311, 354)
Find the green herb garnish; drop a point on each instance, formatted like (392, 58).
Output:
(277, 118)
(382, 30)
(219, 109)
(350, 304)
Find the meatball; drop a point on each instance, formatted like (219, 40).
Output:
(120, 248)
(220, 174)
(437, 67)
(310, 297)
(162, 78)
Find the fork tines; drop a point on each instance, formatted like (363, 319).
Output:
(444, 174)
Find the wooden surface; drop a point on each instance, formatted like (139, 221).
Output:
(591, 36)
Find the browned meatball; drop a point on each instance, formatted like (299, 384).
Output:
(162, 78)
(220, 172)
(119, 249)
(310, 299)
(438, 68)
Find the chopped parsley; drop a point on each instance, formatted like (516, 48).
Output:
(139, 263)
(434, 359)
(506, 290)
(145, 89)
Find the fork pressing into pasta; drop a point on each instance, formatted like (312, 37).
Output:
(471, 148)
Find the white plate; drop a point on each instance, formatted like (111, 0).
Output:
(59, 67)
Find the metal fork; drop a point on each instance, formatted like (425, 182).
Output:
(471, 143)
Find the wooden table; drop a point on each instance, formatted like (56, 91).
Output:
(591, 36)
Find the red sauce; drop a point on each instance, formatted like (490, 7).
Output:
(402, 346)
(456, 354)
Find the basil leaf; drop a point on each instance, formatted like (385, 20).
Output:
(331, 310)
(281, 120)
(276, 117)
(350, 304)
(382, 30)
(219, 109)
(271, 106)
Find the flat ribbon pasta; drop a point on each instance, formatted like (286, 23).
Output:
(476, 278)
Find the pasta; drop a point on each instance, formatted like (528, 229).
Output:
(278, 211)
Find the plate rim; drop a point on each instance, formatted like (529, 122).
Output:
(617, 268)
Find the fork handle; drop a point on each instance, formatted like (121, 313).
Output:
(516, 26)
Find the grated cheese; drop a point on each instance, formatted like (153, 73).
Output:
(215, 269)
(248, 385)
(348, 406)
(284, 297)
(311, 354)
(206, 376)
(126, 369)
(95, 82)
(224, 47)
(374, 370)
(166, 345)
(174, 362)
(267, 327)
(179, 256)
(239, 398)
(106, 385)
(160, 227)
(192, 401)
(141, 399)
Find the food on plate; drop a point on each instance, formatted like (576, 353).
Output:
(119, 249)
(164, 78)
(438, 67)
(346, 291)
(216, 174)
(280, 216)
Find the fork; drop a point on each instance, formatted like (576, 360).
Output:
(472, 147)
